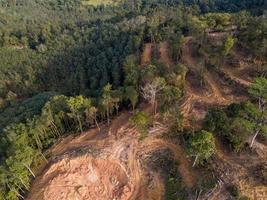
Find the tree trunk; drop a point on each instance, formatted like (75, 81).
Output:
(23, 183)
(108, 116)
(17, 193)
(20, 189)
(14, 190)
(43, 157)
(133, 107)
(38, 141)
(117, 109)
(195, 161)
(254, 137)
(154, 104)
(29, 170)
(80, 123)
(96, 123)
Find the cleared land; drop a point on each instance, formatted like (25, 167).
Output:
(109, 164)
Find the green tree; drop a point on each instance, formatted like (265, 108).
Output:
(227, 46)
(91, 113)
(131, 71)
(259, 116)
(240, 129)
(77, 106)
(132, 95)
(201, 146)
(108, 101)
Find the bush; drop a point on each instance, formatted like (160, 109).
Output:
(141, 121)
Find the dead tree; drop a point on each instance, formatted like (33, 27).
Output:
(151, 90)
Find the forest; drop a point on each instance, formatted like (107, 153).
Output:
(67, 66)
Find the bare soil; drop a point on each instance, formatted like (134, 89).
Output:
(146, 54)
(164, 54)
(106, 165)
(230, 168)
(214, 91)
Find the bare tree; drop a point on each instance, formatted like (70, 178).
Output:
(151, 90)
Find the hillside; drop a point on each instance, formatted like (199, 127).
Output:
(140, 100)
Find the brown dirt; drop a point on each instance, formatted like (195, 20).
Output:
(215, 93)
(147, 54)
(164, 54)
(231, 73)
(106, 165)
(86, 178)
(238, 170)
(188, 175)
(244, 72)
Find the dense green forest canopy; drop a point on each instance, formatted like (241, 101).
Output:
(65, 64)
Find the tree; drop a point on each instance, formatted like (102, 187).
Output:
(259, 91)
(240, 129)
(131, 71)
(117, 96)
(197, 28)
(202, 146)
(91, 114)
(151, 91)
(132, 95)
(171, 95)
(108, 101)
(77, 107)
(227, 46)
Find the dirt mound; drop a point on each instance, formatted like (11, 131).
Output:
(86, 178)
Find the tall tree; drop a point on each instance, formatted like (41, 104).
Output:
(108, 101)
(132, 95)
(91, 113)
(77, 107)
(227, 46)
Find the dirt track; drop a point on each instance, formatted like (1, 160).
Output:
(212, 94)
(147, 54)
(164, 54)
(184, 167)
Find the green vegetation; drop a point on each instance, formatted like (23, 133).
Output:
(241, 122)
(141, 120)
(201, 146)
(66, 65)
(98, 2)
